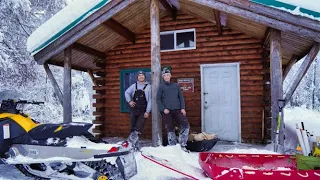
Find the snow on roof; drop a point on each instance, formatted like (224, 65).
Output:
(305, 8)
(71, 15)
(78, 10)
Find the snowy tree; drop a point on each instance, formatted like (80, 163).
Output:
(21, 76)
(307, 93)
(18, 18)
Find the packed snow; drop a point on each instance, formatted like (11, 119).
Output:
(74, 13)
(149, 170)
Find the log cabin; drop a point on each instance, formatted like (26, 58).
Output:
(229, 57)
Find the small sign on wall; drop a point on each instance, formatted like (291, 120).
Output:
(186, 84)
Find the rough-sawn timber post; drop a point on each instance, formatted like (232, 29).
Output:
(53, 82)
(67, 86)
(276, 81)
(155, 71)
(302, 70)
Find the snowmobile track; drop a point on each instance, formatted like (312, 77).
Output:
(26, 173)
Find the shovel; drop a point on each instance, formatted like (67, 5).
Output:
(278, 144)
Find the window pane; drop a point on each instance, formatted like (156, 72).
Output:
(166, 41)
(185, 40)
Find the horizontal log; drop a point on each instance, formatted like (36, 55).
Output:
(165, 56)
(252, 109)
(262, 19)
(252, 104)
(144, 61)
(202, 49)
(251, 93)
(251, 115)
(199, 44)
(251, 120)
(251, 82)
(251, 98)
(280, 14)
(207, 29)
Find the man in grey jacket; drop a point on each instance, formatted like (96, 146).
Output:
(138, 95)
(172, 107)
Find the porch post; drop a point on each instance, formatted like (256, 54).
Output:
(155, 71)
(67, 86)
(276, 81)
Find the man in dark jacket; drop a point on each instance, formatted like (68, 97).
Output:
(172, 107)
(138, 95)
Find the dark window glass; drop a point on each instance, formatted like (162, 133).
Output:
(166, 41)
(185, 40)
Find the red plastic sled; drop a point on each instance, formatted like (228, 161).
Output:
(228, 166)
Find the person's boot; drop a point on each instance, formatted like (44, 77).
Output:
(183, 138)
(184, 148)
(172, 138)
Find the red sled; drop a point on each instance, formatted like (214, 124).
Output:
(230, 166)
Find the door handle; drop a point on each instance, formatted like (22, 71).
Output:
(205, 107)
(205, 93)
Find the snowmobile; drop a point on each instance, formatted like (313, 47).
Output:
(43, 151)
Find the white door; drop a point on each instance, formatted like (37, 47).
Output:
(221, 100)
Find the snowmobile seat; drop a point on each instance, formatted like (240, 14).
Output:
(63, 130)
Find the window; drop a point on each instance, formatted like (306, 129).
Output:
(127, 78)
(178, 40)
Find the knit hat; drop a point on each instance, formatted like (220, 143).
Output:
(166, 71)
(142, 72)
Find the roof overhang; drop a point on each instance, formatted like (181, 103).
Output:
(92, 38)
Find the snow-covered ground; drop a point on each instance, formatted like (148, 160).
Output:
(150, 170)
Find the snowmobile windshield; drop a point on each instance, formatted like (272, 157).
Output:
(21, 107)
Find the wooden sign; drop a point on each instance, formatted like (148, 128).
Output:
(186, 84)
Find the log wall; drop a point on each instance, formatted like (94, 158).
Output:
(231, 46)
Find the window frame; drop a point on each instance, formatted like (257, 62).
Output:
(174, 32)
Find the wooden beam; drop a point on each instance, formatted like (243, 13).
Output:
(81, 29)
(92, 77)
(61, 64)
(170, 9)
(155, 71)
(302, 71)
(266, 38)
(88, 50)
(276, 77)
(292, 61)
(274, 13)
(218, 22)
(67, 109)
(54, 83)
(271, 21)
(120, 29)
